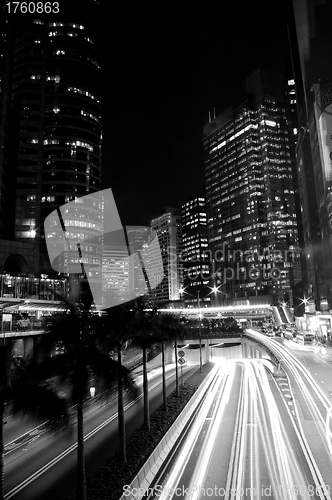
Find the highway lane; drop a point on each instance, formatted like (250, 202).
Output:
(310, 398)
(46, 468)
(244, 443)
(16, 428)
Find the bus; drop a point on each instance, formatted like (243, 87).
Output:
(305, 338)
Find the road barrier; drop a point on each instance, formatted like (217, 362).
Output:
(149, 470)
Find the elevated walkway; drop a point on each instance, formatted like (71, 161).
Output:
(282, 315)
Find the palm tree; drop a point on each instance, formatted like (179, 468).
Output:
(82, 359)
(117, 331)
(145, 335)
(20, 388)
(171, 328)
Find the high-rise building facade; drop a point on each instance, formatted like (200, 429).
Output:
(168, 229)
(311, 40)
(195, 255)
(252, 227)
(52, 116)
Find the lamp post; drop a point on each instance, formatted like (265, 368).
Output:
(182, 290)
(216, 290)
(200, 335)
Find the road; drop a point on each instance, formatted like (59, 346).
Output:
(309, 384)
(244, 443)
(44, 468)
(258, 436)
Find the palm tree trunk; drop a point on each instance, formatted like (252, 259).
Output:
(121, 419)
(81, 486)
(146, 391)
(164, 376)
(176, 369)
(2, 454)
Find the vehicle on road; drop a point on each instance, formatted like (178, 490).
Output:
(305, 338)
(289, 334)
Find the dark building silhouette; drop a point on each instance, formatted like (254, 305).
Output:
(51, 118)
(311, 41)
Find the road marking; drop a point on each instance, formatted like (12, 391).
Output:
(66, 452)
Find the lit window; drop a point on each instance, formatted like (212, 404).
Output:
(90, 115)
(53, 78)
(47, 142)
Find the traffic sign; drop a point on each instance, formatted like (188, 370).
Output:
(181, 354)
(182, 361)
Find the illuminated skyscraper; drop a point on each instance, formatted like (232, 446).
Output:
(168, 229)
(195, 255)
(251, 212)
(52, 116)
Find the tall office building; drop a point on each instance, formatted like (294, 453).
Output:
(51, 125)
(195, 255)
(311, 40)
(252, 226)
(168, 229)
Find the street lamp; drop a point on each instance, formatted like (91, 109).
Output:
(215, 290)
(200, 315)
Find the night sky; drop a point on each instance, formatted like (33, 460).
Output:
(165, 70)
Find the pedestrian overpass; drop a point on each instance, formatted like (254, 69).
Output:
(27, 331)
(251, 315)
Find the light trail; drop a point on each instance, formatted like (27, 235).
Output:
(306, 383)
(261, 445)
(218, 384)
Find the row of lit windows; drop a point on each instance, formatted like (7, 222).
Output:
(68, 33)
(86, 114)
(77, 90)
(62, 52)
(71, 25)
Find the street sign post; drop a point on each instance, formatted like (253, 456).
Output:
(181, 361)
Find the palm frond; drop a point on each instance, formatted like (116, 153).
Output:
(39, 402)
(105, 370)
(61, 366)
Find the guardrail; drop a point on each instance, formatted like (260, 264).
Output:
(148, 472)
